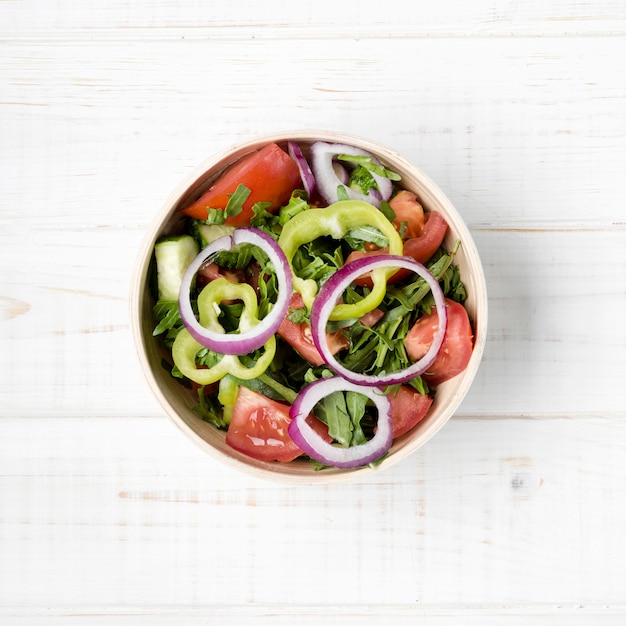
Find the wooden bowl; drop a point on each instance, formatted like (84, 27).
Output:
(177, 400)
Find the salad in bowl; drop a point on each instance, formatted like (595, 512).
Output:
(309, 306)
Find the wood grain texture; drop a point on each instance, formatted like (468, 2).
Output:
(150, 18)
(499, 509)
(513, 513)
(535, 363)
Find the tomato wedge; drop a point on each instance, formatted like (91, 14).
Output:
(421, 248)
(270, 174)
(408, 407)
(457, 346)
(299, 336)
(258, 428)
(408, 211)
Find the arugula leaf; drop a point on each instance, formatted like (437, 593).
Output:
(357, 237)
(268, 386)
(208, 358)
(169, 323)
(297, 203)
(353, 294)
(368, 163)
(215, 217)
(387, 211)
(332, 410)
(267, 289)
(361, 180)
(237, 258)
(342, 193)
(315, 373)
(415, 295)
(347, 417)
(209, 409)
(318, 259)
(234, 206)
(236, 200)
(229, 316)
(262, 218)
(452, 284)
(356, 403)
(167, 315)
(298, 316)
(361, 356)
(419, 385)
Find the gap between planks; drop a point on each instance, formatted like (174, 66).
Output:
(468, 610)
(236, 32)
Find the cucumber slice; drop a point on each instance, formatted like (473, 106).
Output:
(173, 256)
(210, 232)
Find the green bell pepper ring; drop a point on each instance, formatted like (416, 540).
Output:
(336, 221)
(185, 347)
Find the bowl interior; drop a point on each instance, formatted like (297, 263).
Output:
(177, 399)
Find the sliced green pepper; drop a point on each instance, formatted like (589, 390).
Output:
(227, 396)
(336, 221)
(185, 347)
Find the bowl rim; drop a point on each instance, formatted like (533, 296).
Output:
(218, 161)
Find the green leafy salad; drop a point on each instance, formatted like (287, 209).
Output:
(302, 304)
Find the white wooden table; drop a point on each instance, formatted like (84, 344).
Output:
(515, 512)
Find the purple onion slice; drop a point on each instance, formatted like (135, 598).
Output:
(258, 335)
(332, 290)
(317, 448)
(308, 180)
(322, 164)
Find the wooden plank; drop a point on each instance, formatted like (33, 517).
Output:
(517, 110)
(505, 145)
(313, 615)
(513, 210)
(556, 341)
(554, 328)
(149, 18)
(490, 513)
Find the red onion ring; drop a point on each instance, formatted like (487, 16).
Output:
(256, 337)
(308, 180)
(331, 291)
(310, 442)
(322, 155)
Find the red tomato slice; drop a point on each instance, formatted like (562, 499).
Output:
(408, 407)
(258, 428)
(299, 336)
(421, 248)
(457, 344)
(371, 318)
(270, 174)
(211, 271)
(364, 280)
(409, 211)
